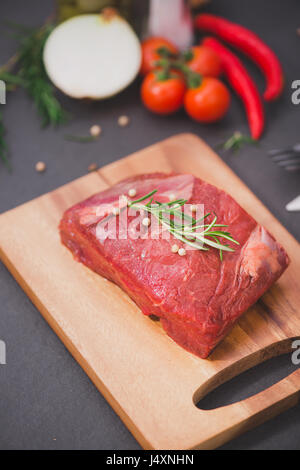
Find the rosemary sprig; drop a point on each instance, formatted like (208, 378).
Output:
(237, 141)
(193, 232)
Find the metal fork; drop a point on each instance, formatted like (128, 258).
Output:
(288, 158)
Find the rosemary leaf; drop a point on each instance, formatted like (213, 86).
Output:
(237, 141)
(186, 231)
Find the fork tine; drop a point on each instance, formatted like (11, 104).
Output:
(285, 156)
(289, 161)
(292, 148)
(275, 152)
(288, 158)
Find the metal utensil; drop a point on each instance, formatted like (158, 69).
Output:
(294, 205)
(288, 158)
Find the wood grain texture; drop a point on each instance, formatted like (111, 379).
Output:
(151, 382)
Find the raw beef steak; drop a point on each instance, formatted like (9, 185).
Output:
(197, 297)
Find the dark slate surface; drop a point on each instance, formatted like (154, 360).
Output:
(46, 400)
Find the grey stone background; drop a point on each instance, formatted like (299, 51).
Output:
(46, 400)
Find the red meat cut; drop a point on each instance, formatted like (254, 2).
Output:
(197, 297)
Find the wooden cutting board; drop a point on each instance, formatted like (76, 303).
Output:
(151, 382)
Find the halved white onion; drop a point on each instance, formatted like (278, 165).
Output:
(92, 56)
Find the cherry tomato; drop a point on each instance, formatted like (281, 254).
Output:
(208, 102)
(163, 96)
(205, 61)
(150, 55)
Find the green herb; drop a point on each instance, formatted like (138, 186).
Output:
(237, 141)
(26, 69)
(31, 74)
(193, 232)
(35, 79)
(11, 80)
(80, 139)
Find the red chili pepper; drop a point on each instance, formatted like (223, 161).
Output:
(250, 44)
(243, 84)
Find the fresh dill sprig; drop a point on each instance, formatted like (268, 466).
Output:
(26, 69)
(193, 232)
(35, 79)
(31, 74)
(11, 80)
